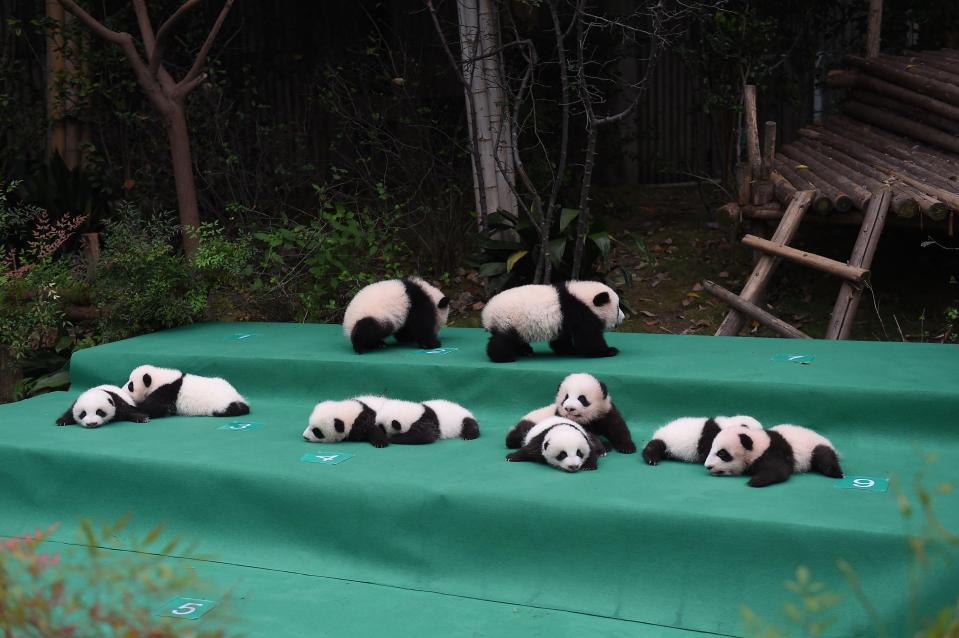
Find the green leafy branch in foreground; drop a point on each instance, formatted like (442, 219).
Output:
(91, 592)
(815, 608)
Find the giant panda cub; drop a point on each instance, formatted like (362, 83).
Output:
(456, 422)
(100, 405)
(570, 315)
(562, 443)
(350, 420)
(407, 422)
(770, 456)
(410, 309)
(166, 392)
(689, 438)
(584, 399)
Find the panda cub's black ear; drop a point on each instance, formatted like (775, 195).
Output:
(602, 386)
(147, 380)
(601, 299)
(443, 303)
(746, 441)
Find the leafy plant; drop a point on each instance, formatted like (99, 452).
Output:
(63, 192)
(89, 591)
(512, 261)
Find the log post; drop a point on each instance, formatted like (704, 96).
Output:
(744, 183)
(755, 286)
(753, 311)
(874, 28)
(769, 149)
(844, 310)
(857, 276)
(752, 131)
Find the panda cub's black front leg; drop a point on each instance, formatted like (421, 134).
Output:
(769, 471)
(591, 343)
(67, 418)
(129, 413)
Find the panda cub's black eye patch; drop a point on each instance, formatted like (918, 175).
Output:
(83, 414)
(130, 386)
(724, 455)
(561, 456)
(317, 432)
(579, 453)
(101, 413)
(110, 401)
(583, 401)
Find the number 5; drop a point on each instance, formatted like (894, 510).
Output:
(188, 608)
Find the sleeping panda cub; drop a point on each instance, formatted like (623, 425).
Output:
(562, 443)
(100, 405)
(570, 315)
(770, 456)
(166, 392)
(584, 399)
(689, 438)
(407, 422)
(410, 309)
(456, 422)
(350, 420)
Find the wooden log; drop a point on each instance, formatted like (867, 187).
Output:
(904, 206)
(849, 79)
(939, 90)
(833, 174)
(844, 310)
(874, 28)
(857, 276)
(911, 112)
(769, 149)
(752, 131)
(840, 200)
(821, 202)
(937, 61)
(899, 124)
(871, 159)
(744, 183)
(731, 210)
(756, 284)
(903, 158)
(942, 163)
(762, 192)
(914, 65)
(753, 311)
(766, 212)
(782, 188)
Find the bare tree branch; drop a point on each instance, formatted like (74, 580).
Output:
(186, 84)
(163, 33)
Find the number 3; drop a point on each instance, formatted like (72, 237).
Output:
(188, 608)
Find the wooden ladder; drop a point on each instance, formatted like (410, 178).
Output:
(854, 273)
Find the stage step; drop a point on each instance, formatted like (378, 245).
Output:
(665, 546)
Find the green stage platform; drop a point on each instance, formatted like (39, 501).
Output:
(450, 539)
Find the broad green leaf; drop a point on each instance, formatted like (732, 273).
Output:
(602, 242)
(566, 216)
(515, 257)
(557, 248)
(492, 268)
(57, 379)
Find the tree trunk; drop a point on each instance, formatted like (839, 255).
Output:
(10, 375)
(179, 136)
(582, 226)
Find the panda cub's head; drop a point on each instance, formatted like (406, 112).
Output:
(733, 451)
(331, 421)
(145, 379)
(440, 301)
(582, 398)
(565, 445)
(93, 408)
(600, 299)
(395, 416)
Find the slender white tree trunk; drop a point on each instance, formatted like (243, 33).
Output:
(485, 106)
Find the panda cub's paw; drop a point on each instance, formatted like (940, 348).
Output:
(612, 352)
(61, 421)
(627, 447)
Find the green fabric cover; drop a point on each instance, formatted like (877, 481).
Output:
(655, 547)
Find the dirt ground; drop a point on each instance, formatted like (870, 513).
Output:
(669, 239)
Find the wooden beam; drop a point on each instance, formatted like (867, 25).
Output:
(840, 200)
(744, 183)
(914, 113)
(829, 172)
(874, 28)
(844, 310)
(902, 125)
(821, 203)
(782, 187)
(769, 149)
(887, 71)
(755, 286)
(857, 79)
(752, 131)
(857, 276)
(753, 311)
